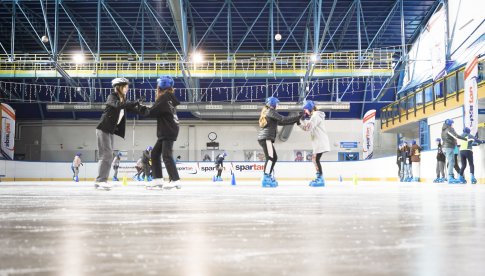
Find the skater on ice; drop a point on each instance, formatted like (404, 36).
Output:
(164, 111)
(440, 163)
(219, 164)
(449, 137)
(269, 121)
(76, 163)
(466, 154)
(313, 121)
(115, 165)
(112, 122)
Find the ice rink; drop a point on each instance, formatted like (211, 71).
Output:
(217, 229)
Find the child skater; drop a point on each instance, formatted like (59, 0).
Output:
(116, 164)
(466, 153)
(76, 163)
(112, 122)
(313, 122)
(146, 163)
(219, 165)
(164, 110)
(440, 163)
(269, 121)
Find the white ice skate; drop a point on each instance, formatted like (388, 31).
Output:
(103, 186)
(156, 184)
(172, 184)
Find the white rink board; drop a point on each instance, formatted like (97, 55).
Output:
(375, 169)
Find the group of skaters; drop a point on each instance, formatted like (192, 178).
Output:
(113, 122)
(449, 147)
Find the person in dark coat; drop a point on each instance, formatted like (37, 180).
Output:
(164, 111)
(269, 121)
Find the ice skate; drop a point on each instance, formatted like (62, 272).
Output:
(462, 179)
(275, 183)
(103, 186)
(473, 180)
(156, 184)
(317, 182)
(267, 182)
(452, 180)
(115, 178)
(76, 179)
(172, 184)
(437, 180)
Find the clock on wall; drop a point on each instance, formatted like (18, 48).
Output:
(212, 136)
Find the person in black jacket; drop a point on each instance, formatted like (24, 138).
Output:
(164, 110)
(269, 121)
(112, 123)
(440, 163)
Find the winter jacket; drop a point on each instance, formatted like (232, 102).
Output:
(405, 155)
(449, 136)
(77, 162)
(440, 156)
(416, 153)
(219, 160)
(109, 119)
(164, 110)
(273, 120)
(316, 127)
(467, 145)
(145, 158)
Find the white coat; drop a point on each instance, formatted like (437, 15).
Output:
(316, 127)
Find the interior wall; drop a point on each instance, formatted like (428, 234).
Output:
(61, 140)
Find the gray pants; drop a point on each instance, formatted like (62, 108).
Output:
(105, 154)
(440, 169)
(449, 153)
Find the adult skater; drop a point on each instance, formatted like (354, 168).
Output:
(415, 160)
(399, 161)
(440, 163)
(112, 122)
(449, 137)
(164, 110)
(314, 122)
(406, 163)
(219, 164)
(146, 161)
(76, 163)
(466, 153)
(268, 123)
(115, 165)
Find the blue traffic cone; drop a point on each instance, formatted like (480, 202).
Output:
(233, 180)
(213, 178)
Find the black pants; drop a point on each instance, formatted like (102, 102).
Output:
(466, 155)
(164, 148)
(270, 155)
(219, 169)
(146, 170)
(457, 168)
(316, 162)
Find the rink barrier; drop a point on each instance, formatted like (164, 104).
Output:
(378, 169)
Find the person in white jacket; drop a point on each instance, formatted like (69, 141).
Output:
(314, 122)
(76, 163)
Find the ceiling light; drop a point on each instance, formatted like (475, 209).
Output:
(78, 58)
(277, 37)
(315, 57)
(197, 57)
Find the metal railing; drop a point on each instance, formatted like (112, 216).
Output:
(424, 99)
(374, 62)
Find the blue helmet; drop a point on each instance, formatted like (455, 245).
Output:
(79, 154)
(449, 122)
(119, 154)
(438, 140)
(149, 148)
(413, 142)
(272, 101)
(466, 130)
(165, 82)
(309, 105)
(224, 154)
